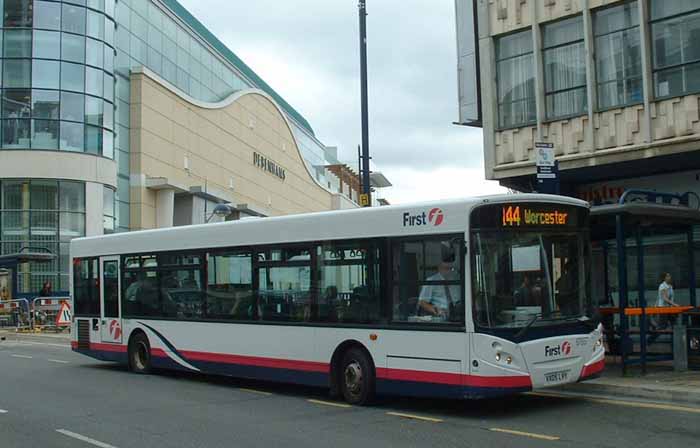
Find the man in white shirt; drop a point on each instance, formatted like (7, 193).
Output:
(665, 298)
(435, 300)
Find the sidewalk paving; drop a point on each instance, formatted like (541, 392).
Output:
(661, 383)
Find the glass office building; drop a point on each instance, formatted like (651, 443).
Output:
(65, 143)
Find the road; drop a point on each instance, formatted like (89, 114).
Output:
(52, 397)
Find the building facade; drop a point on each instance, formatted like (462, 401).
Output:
(613, 84)
(122, 115)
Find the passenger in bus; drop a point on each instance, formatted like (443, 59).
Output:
(436, 299)
(523, 295)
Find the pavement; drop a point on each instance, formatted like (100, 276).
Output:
(661, 384)
(53, 397)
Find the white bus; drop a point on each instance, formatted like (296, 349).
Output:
(465, 298)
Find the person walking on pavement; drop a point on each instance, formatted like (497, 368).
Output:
(46, 290)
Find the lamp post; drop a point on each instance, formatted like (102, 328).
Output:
(365, 200)
(221, 210)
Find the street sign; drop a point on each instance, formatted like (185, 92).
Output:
(547, 168)
(64, 316)
(364, 200)
(545, 153)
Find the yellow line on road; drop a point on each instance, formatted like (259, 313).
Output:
(329, 403)
(634, 404)
(415, 417)
(525, 434)
(253, 391)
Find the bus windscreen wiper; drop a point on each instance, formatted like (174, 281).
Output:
(540, 316)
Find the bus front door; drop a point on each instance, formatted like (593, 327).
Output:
(110, 305)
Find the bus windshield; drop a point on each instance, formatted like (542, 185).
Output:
(524, 275)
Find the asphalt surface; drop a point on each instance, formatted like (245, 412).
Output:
(52, 397)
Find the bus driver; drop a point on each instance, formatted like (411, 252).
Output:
(437, 299)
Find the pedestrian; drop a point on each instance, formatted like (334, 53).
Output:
(4, 294)
(664, 299)
(46, 290)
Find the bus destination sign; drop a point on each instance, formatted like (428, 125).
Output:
(523, 216)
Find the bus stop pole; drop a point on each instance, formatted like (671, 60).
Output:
(622, 283)
(691, 267)
(643, 319)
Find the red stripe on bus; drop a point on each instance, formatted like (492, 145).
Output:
(453, 379)
(159, 352)
(305, 366)
(593, 369)
(117, 348)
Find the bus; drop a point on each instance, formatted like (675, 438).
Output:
(467, 298)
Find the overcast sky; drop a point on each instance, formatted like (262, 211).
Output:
(308, 52)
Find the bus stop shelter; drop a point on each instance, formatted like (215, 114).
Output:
(10, 263)
(643, 235)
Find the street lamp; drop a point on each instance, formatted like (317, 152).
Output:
(221, 210)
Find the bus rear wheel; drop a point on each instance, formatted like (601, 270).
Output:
(140, 354)
(357, 377)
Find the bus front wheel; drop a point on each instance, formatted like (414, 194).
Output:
(140, 354)
(357, 377)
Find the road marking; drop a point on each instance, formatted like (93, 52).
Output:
(58, 361)
(253, 391)
(415, 417)
(634, 404)
(48, 344)
(22, 356)
(329, 403)
(525, 434)
(2, 411)
(82, 438)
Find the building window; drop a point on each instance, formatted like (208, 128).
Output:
(44, 214)
(516, 80)
(564, 68)
(618, 56)
(109, 214)
(18, 13)
(675, 29)
(47, 15)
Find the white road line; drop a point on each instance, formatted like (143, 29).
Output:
(329, 403)
(525, 434)
(415, 417)
(84, 439)
(253, 391)
(47, 344)
(2, 411)
(22, 356)
(58, 361)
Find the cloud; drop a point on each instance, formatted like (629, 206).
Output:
(308, 51)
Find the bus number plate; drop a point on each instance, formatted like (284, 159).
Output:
(556, 377)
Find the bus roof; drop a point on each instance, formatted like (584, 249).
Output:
(438, 217)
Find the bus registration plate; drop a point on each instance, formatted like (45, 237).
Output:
(556, 377)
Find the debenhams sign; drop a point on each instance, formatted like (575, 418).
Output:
(268, 165)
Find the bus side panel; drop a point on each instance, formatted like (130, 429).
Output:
(264, 352)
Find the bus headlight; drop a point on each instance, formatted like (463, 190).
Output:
(498, 357)
(509, 359)
(598, 344)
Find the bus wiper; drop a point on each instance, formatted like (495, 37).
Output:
(540, 316)
(527, 326)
